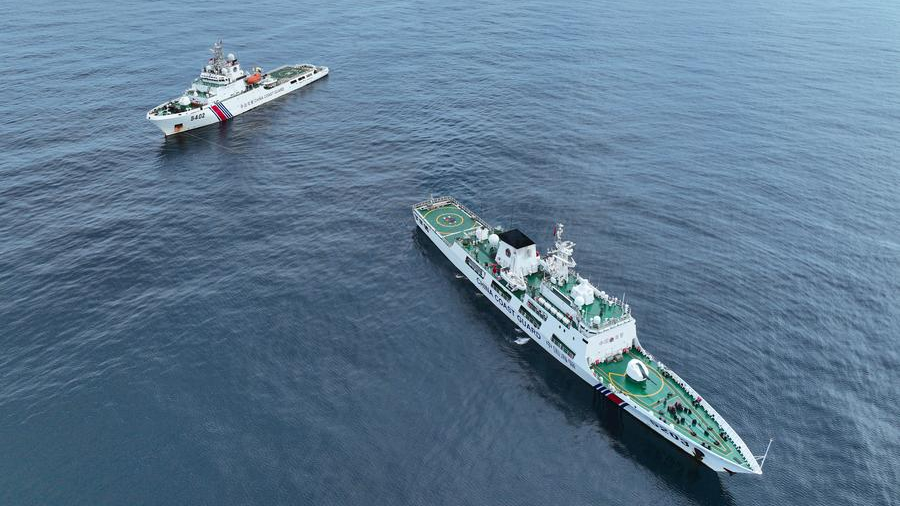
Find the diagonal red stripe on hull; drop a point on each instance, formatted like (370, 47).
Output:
(218, 113)
(615, 398)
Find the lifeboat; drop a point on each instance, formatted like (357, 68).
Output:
(254, 78)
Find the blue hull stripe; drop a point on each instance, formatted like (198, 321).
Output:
(225, 110)
(606, 392)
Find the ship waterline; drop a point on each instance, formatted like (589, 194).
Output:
(592, 333)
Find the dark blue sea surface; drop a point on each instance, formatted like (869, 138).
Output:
(247, 315)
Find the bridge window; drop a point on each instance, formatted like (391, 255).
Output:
(499, 289)
(561, 295)
(530, 317)
(568, 351)
(538, 311)
(474, 266)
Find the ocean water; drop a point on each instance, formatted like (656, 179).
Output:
(247, 315)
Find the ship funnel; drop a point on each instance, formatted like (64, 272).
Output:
(637, 371)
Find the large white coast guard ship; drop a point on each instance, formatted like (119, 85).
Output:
(224, 90)
(589, 331)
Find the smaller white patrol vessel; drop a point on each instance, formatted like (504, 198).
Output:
(224, 90)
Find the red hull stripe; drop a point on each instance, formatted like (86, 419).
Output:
(615, 398)
(218, 113)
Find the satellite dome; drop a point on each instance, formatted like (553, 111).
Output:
(585, 290)
(579, 300)
(597, 321)
(231, 57)
(184, 100)
(637, 371)
(494, 239)
(209, 68)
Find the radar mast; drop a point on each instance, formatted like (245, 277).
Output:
(218, 57)
(559, 259)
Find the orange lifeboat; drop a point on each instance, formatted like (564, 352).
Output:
(254, 78)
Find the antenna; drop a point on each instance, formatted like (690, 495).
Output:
(762, 459)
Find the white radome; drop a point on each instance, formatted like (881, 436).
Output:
(637, 371)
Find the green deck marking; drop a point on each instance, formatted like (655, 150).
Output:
(288, 72)
(658, 393)
(599, 307)
(534, 281)
(450, 222)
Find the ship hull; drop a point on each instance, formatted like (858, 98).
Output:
(542, 337)
(219, 111)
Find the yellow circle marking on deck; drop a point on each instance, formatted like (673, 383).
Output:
(437, 209)
(724, 450)
(721, 451)
(462, 219)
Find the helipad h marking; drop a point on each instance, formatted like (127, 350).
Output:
(450, 225)
(451, 211)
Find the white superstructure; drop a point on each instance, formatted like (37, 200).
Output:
(590, 332)
(224, 90)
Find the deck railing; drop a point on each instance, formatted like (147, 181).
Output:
(446, 199)
(739, 443)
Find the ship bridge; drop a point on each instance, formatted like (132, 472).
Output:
(522, 271)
